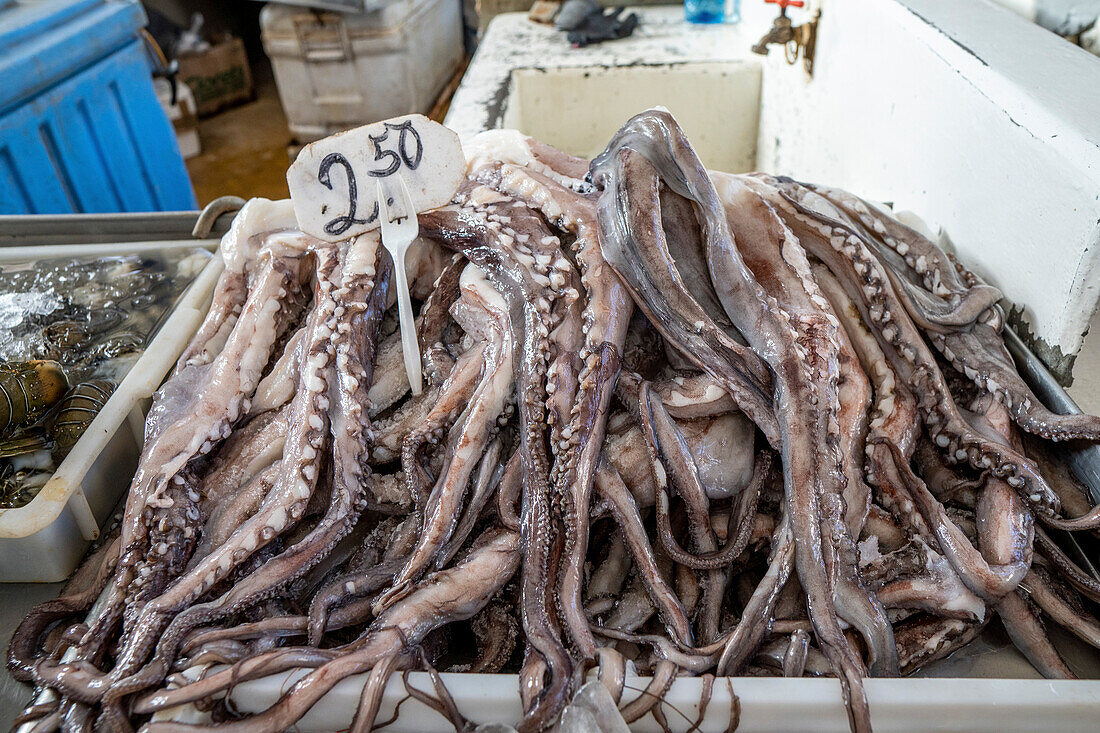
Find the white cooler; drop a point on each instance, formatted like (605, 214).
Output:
(339, 70)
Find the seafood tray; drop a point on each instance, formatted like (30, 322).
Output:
(43, 540)
(996, 694)
(303, 513)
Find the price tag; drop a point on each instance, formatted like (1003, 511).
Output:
(333, 181)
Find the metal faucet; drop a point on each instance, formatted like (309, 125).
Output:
(793, 38)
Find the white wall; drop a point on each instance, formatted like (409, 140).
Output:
(972, 117)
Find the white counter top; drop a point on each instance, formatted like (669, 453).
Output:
(662, 37)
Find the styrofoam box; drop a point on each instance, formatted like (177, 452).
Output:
(43, 541)
(340, 70)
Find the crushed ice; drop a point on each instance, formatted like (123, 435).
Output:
(14, 310)
(591, 711)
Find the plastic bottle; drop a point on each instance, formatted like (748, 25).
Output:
(705, 11)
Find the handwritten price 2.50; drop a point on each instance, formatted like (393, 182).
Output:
(330, 181)
(408, 151)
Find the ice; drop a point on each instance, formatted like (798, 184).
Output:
(576, 719)
(190, 266)
(494, 728)
(14, 309)
(594, 698)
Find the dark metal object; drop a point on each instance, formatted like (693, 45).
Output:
(21, 231)
(795, 39)
(1083, 459)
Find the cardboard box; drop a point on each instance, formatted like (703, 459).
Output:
(219, 77)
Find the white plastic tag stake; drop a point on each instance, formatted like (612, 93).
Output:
(333, 200)
(397, 234)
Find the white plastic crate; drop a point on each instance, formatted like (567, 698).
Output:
(339, 70)
(43, 541)
(767, 704)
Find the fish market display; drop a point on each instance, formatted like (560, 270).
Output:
(676, 422)
(70, 329)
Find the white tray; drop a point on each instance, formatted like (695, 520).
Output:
(995, 695)
(769, 704)
(986, 700)
(43, 541)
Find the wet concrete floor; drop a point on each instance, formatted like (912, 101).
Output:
(244, 149)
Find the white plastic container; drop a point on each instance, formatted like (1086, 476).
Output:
(767, 704)
(339, 70)
(43, 541)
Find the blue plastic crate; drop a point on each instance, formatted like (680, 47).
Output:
(80, 126)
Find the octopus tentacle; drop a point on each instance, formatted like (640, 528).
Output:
(192, 412)
(911, 252)
(489, 474)
(744, 640)
(364, 291)
(773, 335)
(511, 484)
(80, 592)
(448, 595)
(453, 396)
(370, 699)
(276, 389)
(794, 659)
(739, 526)
(610, 486)
(297, 476)
(605, 317)
(251, 448)
(985, 580)
(893, 416)
(669, 452)
(441, 513)
(631, 236)
(472, 232)
(1027, 633)
(239, 249)
(346, 587)
(1078, 578)
(773, 254)
(979, 353)
(863, 277)
(663, 677)
(1065, 613)
(608, 577)
(435, 312)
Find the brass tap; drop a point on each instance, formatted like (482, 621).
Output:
(795, 39)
